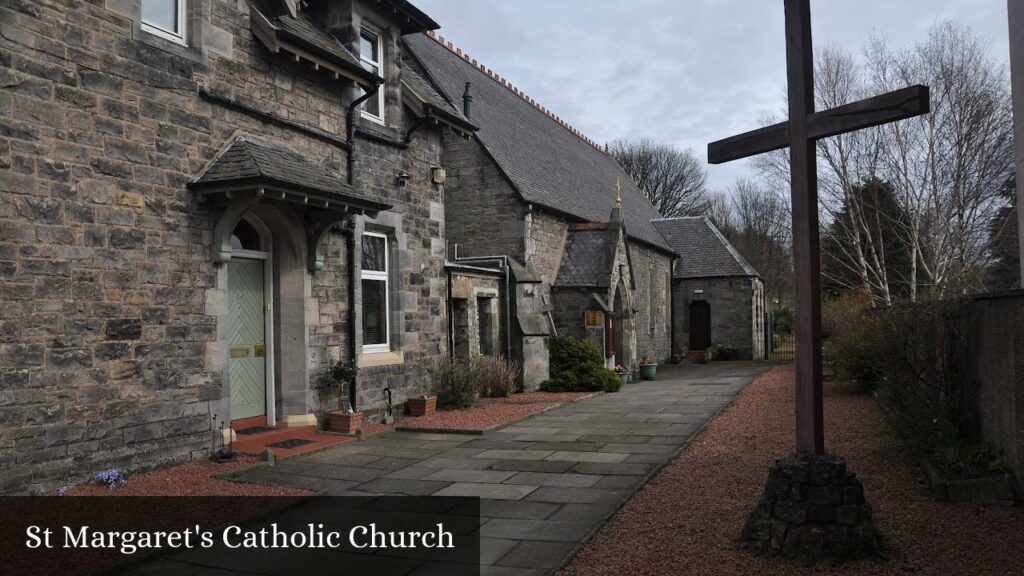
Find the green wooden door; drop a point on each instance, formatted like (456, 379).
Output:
(247, 355)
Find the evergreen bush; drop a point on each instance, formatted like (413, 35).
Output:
(577, 366)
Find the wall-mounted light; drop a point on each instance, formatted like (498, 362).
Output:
(438, 175)
(402, 177)
(698, 291)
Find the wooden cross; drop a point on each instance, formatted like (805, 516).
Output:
(801, 133)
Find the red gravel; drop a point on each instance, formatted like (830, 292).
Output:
(189, 479)
(686, 519)
(491, 412)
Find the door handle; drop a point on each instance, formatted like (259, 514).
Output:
(261, 350)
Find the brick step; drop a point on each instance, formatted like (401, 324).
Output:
(259, 443)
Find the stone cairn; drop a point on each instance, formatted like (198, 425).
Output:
(812, 508)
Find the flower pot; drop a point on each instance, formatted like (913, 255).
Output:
(647, 371)
(345, 422)
(422, 406)
(625, 377)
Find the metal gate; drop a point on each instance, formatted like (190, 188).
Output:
(779, 337)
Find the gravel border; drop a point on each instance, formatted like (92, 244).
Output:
(686, 519)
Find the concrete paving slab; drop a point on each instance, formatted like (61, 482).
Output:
(549, 479)
(537, 555)
(483, 476)
(491, 491)
(576, 456)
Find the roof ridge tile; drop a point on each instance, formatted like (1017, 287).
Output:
(504, 82)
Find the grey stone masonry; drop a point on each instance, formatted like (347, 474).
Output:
(112, 337)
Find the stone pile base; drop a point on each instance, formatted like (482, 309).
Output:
(812, 507)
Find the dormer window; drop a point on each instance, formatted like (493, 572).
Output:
(371, 57)
(165, 18)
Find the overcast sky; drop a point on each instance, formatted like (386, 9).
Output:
(681, 71)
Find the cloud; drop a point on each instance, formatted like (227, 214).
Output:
(682, 71)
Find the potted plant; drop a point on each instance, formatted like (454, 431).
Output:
(422, 405)
(648, 369)
(623, 373)
(339, 375)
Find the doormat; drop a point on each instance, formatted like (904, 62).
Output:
(254, 430)
(293, 443)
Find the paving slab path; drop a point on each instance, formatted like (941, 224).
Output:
(546, 482)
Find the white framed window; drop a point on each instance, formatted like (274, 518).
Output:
(374, 285)
(371, 55)
(165, 18)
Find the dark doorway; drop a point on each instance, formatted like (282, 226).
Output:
(700, 325)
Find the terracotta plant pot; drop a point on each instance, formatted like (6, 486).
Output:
(346, 423)
(648, 371)
(422, 406)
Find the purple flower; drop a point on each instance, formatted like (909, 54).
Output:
(62, 490)
(112, 478)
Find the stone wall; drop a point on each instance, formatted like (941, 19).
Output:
(477, 315)
(732, 311)
(108, 343)
(483, 213)
(651, 272)
(546, 243)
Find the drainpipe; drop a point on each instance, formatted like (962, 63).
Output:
(350, 131)
(451, 321)
(350, 228)
(672, 308)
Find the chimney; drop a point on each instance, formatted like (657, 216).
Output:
(467, 100)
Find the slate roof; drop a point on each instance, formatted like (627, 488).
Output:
(703, 251)
(248, 161)
(583, 262)
(548, 164)
(426, 92)
(303, 32)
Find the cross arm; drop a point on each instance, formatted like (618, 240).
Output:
(890, 107)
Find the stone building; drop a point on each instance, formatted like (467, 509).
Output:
(717, 297)
(531, 190)
(206, 203)
(199, 211)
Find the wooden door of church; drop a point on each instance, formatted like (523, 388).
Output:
(700, 325)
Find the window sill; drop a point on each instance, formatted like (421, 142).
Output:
(176, 47)
(374, 359)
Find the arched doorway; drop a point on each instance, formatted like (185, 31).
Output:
(267, 290)
(700, 325)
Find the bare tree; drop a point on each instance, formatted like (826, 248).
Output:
(674, 180)
(720, 211)
(948, 166)
(944, 169)
(756, 221)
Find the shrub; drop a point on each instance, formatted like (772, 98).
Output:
(577, 366)
(454, 384)
(496, 377)
(852, 331)
(723, 353)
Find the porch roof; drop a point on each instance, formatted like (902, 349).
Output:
(250, 164)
